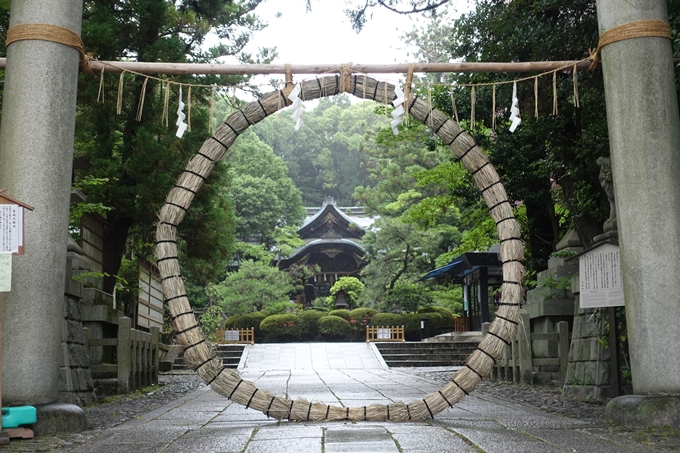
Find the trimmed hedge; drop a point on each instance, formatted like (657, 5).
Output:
(342, 313)
(281, 328)
(362, 314)
(309, 324)
(412, 325)
(387, 320)
(333, 328)
(247, 321)
(447, 315)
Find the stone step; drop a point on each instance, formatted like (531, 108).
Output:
(423, 363)
(427, 345)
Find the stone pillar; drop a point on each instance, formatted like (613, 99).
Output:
(36, 153)
(644, 132)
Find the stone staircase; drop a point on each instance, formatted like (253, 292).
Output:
(230, 354)
(426, 354)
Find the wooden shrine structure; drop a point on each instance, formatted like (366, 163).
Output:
(332, 242)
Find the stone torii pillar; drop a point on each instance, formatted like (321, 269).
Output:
(644, 132)
(36, 154)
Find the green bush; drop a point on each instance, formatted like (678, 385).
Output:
(408, 297)
(309, 324)
(359, 319)
(362, 314)
(342, 313)
(387, 320)
(333, 328)
(412, 325)
(280, 328)
(447, 315)
(250, 320)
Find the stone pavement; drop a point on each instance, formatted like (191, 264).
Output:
(206, 422)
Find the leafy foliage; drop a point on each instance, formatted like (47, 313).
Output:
(351, 285)
(254, 287)
(326, 157)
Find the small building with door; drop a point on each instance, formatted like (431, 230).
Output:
(481, 276)
(332, 238)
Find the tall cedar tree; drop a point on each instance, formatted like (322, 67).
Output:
(142, 159)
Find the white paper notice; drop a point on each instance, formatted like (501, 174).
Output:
(10, 222)
(5, 272)
(600, 278)
(231, 335)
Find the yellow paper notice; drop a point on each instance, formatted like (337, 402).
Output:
(5, 272)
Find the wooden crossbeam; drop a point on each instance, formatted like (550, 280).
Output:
(253, 69)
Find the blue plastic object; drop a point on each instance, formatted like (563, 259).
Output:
(13, 417)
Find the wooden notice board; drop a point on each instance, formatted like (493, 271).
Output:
(11, 218)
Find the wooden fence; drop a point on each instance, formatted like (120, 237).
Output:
(375, 333)
(138, 355)
(235, 336)
(518, 364)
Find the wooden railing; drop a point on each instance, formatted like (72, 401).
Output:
(376, 333)
(137, 352)
(235, 336)
(461, 324)
(518, 364)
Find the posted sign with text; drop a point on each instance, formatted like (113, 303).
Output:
(600, 277)
(11, 217)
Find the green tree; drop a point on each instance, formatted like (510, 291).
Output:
(397, 251)
(351, 285)
(142, 158)
(554, 150)
(326, 157)
(254, 287)
(265, 198)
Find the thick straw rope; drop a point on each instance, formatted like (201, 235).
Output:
(638, 29)
(201, 355)
(53, 33)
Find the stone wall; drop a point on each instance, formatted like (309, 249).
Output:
(75, 378)
(588, 372)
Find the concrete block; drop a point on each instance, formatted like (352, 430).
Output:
(576, 328)
(72, 332)
(75, 379)
(584, 349)
(59, 418)
(571, 374)
(596, 375)
(74, 355)
(72, 308)
(637, 411)
(579, 373)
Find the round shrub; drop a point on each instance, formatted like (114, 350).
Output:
(447, 315)
(309, 324)
(387, 320)
(342, 313)
(412, 325)
(362, 316)
(251, 320)
(280, 328)
(333, 328)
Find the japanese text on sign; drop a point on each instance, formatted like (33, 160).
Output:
(10, 227)
(600, 277)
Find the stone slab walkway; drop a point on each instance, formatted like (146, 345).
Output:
(311, 356)
(206, 422)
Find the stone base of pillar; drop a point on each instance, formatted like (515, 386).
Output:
(59, 418)
(637, 411)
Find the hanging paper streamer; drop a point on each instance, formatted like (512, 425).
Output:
(296, 106)
(398, 112)
(181, 125)
(514, 109)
